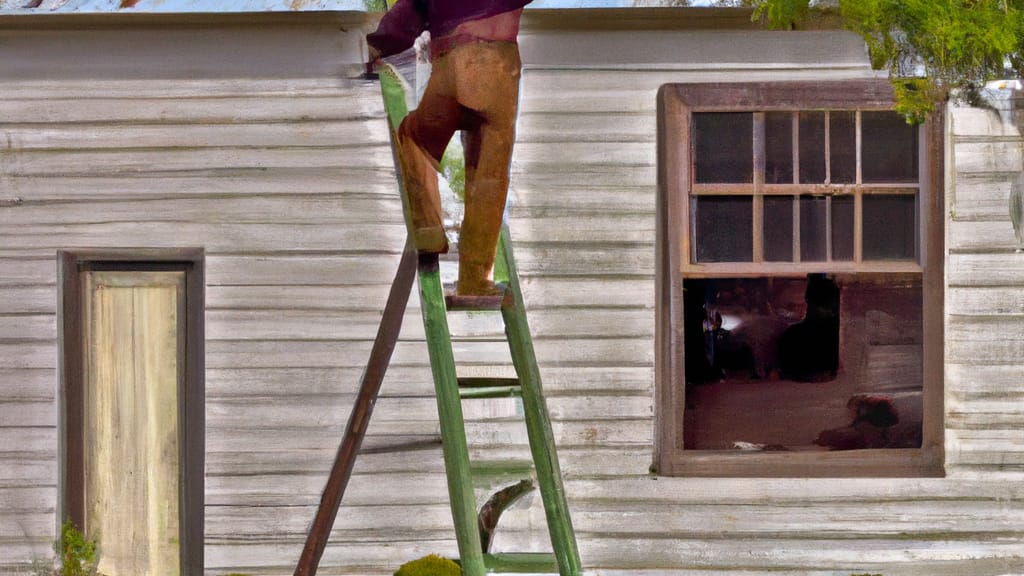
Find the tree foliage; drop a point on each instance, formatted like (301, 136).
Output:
(931, 48)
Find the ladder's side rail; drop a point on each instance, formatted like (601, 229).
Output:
(442, 361)
(538, 422)
(449, 409)
(359, 420)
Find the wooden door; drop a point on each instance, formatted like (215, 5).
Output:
(133, 351)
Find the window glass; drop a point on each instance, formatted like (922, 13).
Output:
(812, 147)
(778, 133)
(778, 228)
(889, 150)
(890, 229)
(724, 147)
(723, 228)
(842, 228)
(843, 146)
(813, 229)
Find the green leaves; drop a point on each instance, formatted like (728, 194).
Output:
(914, 98)
(453, 169)
(77, 552)
(780, 14)
(954, 46)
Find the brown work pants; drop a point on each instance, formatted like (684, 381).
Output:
(473, 87)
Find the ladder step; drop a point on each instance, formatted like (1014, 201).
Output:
(455, 303)
(475, 388)
(521, 562)
(495, 392)
(410, 446)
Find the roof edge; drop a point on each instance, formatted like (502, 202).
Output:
(688, 18)
(344, 19)
(534, 19)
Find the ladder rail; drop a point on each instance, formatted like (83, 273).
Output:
(449, 408)
(538, 420)
(362, 410)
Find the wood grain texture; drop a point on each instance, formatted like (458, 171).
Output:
(288, 183)
(133, 326)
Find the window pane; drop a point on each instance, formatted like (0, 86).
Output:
(778, 228)
(812, 147)
(890, 227)
(842, 228)
(724, 228)
(813, 229)
(724, 147)
(778, 132)
(889, 148)
(843, 147)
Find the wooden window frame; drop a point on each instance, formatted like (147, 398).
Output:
(676, 104)
(192, 403)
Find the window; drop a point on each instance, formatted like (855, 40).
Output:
(132, 407)
(800, 232)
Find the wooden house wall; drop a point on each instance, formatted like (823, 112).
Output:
(282, 171)
(985, 314)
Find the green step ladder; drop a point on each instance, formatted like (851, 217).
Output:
(450, 392)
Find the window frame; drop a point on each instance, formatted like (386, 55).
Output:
(676, 104)
(758, 191)
(192, 403)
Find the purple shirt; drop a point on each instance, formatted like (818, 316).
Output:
(407, 19)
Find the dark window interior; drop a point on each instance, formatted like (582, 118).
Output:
(890, 228)
(723, 147)
(824, 362)
(890, 151)
(718, 218)
(842, 228)
(812, 147)
(778, 134)
(778, 235)
(843, 146)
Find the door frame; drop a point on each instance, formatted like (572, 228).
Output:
(192, 403)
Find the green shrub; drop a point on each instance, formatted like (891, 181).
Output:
(77, 555)
(432, 565)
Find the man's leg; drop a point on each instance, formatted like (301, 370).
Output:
(488, 85)
(486, 192)
(422, 139)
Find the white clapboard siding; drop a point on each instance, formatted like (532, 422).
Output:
(286, 181)
(984, 321)
(284, 185)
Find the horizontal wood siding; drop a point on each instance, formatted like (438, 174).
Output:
(287, 184)
(985, 317)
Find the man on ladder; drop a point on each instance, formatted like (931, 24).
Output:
(473, 87)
